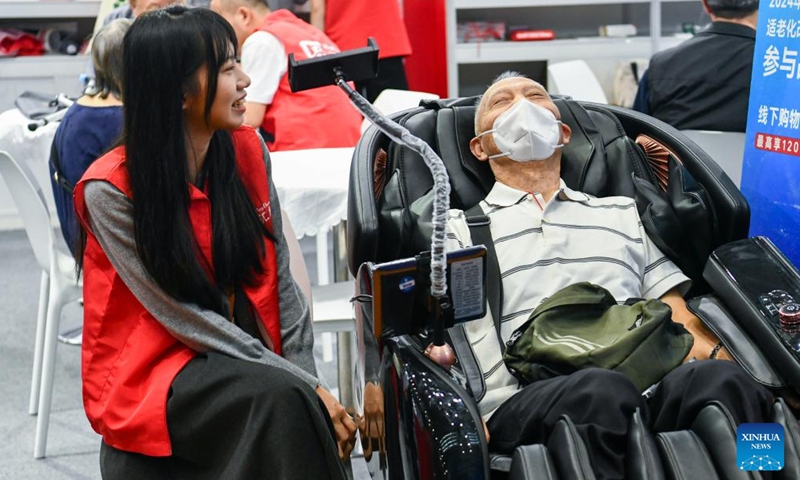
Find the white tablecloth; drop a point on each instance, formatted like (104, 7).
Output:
(31, 147)
(312, 186)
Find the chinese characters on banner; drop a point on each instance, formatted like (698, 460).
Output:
(771, 169)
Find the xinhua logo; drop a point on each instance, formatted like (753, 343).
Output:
(759, 446)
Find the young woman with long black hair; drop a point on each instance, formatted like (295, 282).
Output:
(197, 346)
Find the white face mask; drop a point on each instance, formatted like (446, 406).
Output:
(526, 132)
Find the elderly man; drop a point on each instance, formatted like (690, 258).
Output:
(704, 83)
(547, 237)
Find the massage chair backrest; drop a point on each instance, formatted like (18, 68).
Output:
(599, 160)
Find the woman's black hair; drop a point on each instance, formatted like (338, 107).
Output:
(163, 52)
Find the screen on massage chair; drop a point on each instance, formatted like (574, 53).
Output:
(401, 293)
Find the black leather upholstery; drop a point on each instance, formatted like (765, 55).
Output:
(715, 427)
(467, 364)
(642, 461)
(685, 457)
(532, 462)
(791, 443)
(569, 452)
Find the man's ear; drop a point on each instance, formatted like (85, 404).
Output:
(477, 149)
(244, 14)
(566, 133)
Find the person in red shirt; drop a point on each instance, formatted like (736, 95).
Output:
(197, 346)
(318, 118)
(350, 22)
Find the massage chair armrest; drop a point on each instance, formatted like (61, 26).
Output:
(676, 450)
(717, 318)
(754, 279)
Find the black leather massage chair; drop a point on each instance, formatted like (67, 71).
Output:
(431, 420)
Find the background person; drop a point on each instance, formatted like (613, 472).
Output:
(350, 22)
(129, 10)
(704, 83)
(197, 348)
(91, 125)
(318, 118)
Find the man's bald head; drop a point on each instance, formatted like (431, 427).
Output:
(139, 7)
(245, 16)
(230, 5)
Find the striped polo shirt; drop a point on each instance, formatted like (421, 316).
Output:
(543, 247)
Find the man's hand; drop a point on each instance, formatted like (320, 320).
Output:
(704, 339)
(343, 425)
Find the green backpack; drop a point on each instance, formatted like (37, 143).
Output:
(582, 326)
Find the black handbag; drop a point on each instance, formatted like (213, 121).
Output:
(37, 105)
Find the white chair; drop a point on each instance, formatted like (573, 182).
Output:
(726, 148)
(576, 79)
(331, 310)
(391, 101)
(58, 287)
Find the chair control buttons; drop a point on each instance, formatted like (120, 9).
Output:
(789, 317)
(774, 300)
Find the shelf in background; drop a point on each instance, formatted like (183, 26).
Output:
(558, 50)
(486, 4)
(42, 66)
(49, 9)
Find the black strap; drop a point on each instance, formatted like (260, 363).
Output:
(58, 175)
(478, 224)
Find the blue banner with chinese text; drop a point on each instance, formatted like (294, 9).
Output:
(771, 168)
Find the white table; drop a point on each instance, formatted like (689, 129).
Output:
(312, 186)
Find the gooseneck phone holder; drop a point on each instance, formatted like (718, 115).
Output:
(362, 64)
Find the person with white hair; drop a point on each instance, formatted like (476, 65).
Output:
(91, 125)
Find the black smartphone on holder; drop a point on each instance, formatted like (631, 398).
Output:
(401, 291)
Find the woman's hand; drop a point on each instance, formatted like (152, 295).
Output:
(343, 425)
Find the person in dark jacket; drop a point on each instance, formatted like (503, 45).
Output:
(704, 83)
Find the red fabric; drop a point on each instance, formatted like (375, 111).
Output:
(350, 22)
(128, 359)
(16, 43)
(426, 69)
(317, 118)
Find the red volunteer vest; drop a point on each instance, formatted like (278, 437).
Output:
(128, 359)
(349, 23)
(318, 118)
